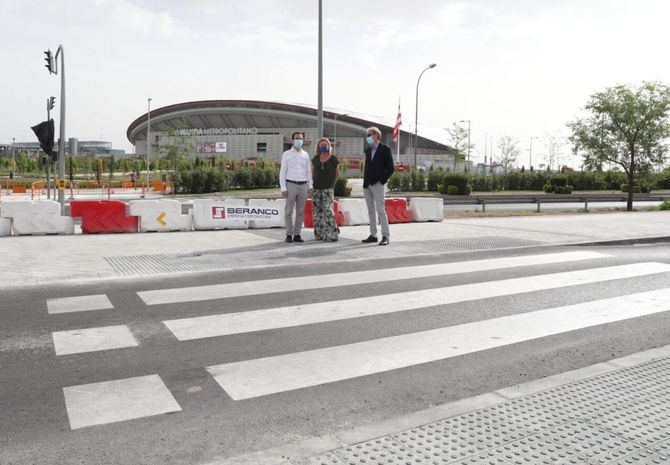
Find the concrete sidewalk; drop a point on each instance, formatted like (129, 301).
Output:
(31, 260)
(612, 413)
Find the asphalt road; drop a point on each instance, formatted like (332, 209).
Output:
(36, 419)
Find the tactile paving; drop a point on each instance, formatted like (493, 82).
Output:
(616, 418)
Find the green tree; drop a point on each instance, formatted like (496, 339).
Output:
(459, 141)
(625, 126)
(509, 151)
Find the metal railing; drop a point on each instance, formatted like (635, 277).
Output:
(539, 199)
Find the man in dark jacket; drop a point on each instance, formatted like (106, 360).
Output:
(378, 170)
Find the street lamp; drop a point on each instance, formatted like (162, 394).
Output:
(148, 142)
(530, 152)
(416, 112)
(319, 116)
(467, 121)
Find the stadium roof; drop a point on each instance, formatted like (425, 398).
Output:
(264, 114)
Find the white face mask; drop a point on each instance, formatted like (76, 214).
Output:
(370, 140)
(297, 143)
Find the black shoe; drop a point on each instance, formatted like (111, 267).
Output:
(370, 240)
(384, 241)
(289, 239)
(297, 238)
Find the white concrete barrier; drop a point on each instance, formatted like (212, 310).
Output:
(273, 220)
(160, 215)
(37, 217)
(426, 208)
(355, 211)
(212, 214)
(5, 226)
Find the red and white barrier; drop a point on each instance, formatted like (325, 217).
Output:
(161, 215)
(36, 217)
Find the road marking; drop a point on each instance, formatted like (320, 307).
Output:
(160, 217)
(259, 377)
(80, 303)
(273, 318)
(118, 400)
(221, 291)
(93, 339)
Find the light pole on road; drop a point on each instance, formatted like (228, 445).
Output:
(416, 112)
(467, 121)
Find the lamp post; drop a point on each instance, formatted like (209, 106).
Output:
(148, 142)
(13, 155)
(530, 152)
(319, 117)
(416, 112)
(467, 121)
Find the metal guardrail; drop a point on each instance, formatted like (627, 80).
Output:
(539, 199)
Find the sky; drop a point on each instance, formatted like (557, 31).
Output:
(521, 68)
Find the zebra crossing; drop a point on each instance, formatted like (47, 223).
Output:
(142, 396)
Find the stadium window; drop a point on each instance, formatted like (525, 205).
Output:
(261, 147)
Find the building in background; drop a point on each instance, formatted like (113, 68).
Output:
(245, 129)
(74, 147)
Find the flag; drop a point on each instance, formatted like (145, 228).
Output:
(398, 123)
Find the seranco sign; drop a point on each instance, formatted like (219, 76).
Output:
(222, 212)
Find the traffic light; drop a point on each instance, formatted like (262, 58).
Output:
(51, 102)
(49, 58)
(45, 134)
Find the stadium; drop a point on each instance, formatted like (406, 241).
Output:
(246, 129)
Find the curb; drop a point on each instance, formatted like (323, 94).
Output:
(318, 445)
(642, 240)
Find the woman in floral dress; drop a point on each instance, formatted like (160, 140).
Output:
(325, 171)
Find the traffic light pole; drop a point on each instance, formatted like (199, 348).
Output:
(61, 140)
(48, 158)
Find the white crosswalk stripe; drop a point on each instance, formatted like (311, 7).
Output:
(141, 396)
(93, 339)
(253, 378)
(234, 323)
(81, 303)
(222, 291)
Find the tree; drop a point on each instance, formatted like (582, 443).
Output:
(554, 144)
(625, 126)
(459, 141)
(509, 151)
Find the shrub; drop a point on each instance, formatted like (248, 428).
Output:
(568, 189)
(548, 189)
(556, 181)
(665, 205)
(394, 182)
(405, 183)
(418, 180)
(460, 181)
(342, 188)
(434, 179)
(452, 190)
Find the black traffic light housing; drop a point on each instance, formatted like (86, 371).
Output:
(49, 58)
(52, 103)
(45, 134)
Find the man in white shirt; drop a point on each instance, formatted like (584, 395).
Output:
(295, 181)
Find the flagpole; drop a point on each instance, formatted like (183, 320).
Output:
(398, 133)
